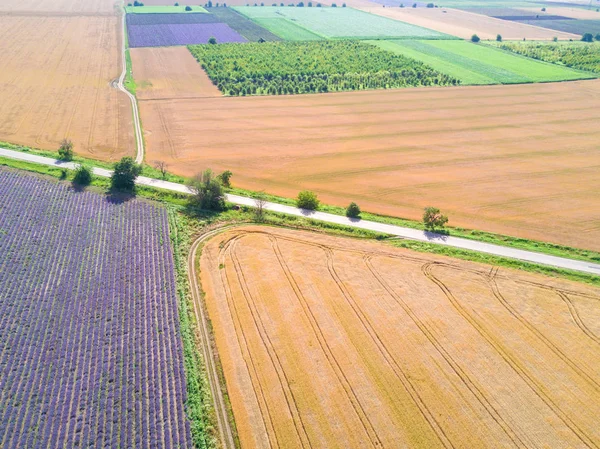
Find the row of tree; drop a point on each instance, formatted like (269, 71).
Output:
(208, 189)
(573, 54)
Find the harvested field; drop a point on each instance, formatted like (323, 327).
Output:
(373, 346)
(520, 160)
(60, 7)
(56, 82)
(464, 24)
(170, 72)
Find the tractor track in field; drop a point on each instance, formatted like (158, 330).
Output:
(517, 367)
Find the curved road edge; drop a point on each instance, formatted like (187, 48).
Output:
(225, 431)
(139, 157)
(398, 231)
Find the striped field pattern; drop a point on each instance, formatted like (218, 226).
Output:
(90, 349)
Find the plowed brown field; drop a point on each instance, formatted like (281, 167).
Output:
(464, 24)
(170, 72)
(520, 160)
(56, 82)
(330, 343)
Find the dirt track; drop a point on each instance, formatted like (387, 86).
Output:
(519, 160)
(327, 346)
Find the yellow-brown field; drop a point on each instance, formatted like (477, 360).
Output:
(60, 7)
(328, 342)
(56, 83)
(517, 160)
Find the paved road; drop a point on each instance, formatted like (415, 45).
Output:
(139, 157)
(413, 234)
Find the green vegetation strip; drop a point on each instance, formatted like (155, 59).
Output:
(578, 55)
(246, 215)
(288, 30)
(300, 67)
(199, 403)
(163, 9)
(341, 23)
(480, 64)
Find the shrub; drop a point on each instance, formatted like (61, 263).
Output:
(209, 4)
(212, 41)
(414, 5)
(307, 200)
(353, 211)
(176, 4)
(83, 176)
(207, 191)
(124, 175)
(333, 5)
(587, 37)
(555, 39)
(225, 178)
(343, 5)
(432, 218)
(498, 38)
(430, 5)
(475, 38)
(597, 37)
(543, 9)
(65, 151)
(188, 8)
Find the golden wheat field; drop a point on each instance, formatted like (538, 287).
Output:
(338, 343)
(57, 82)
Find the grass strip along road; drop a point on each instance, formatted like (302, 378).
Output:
(399, 231)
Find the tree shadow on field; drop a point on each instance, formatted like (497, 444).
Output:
(437, 236)
(114, 196)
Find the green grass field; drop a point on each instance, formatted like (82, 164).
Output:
(480, 64)
(162, 9)
(333, 23)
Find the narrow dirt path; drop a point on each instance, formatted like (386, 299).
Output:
(139, 157)
(225, 432)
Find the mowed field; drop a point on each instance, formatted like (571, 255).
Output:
(56, 82)
(464, 24)
(520, 160)
(61, 7)
(370, 347)
(170, 72)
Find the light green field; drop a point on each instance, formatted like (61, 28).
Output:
(287, 30)
(480, 64)
(162, 9)
(337, 23)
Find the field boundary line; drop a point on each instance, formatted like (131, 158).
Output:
(398, 231)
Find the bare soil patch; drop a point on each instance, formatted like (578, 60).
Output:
(170, 72)
(333, 343)
(57, 81)
(520, 160)
(464, 24)
(53, 7)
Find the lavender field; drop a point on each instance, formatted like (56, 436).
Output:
(169, 34)
(90, 349)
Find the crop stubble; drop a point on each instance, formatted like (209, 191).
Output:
(326, 346)
(56, 77)
(519, 160)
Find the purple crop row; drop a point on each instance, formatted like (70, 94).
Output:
(90, 350)
(164, 35)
